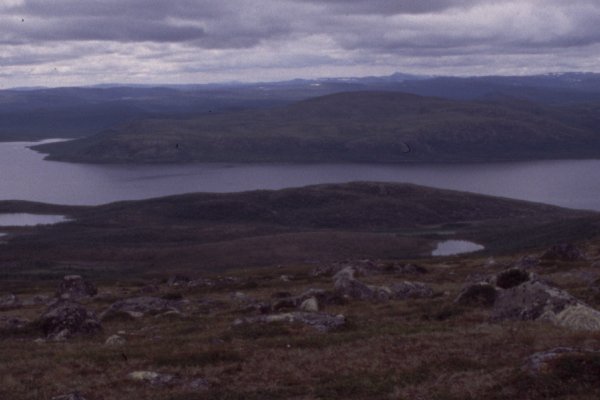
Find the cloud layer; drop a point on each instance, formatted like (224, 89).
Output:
(63, 42)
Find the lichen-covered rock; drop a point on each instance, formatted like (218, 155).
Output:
(74, 287)
(477, 294)
(66, 319)
(535, 300)
(138, 307)
(563, 252)
(322, 322)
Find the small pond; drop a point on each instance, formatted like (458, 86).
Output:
(24, 219)
(452, 247)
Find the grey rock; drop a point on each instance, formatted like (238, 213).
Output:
(310, 305)
(322, 322)
(137, 307)
(74, 287)
(9, 302)
(345, 284)
(115, 340)
(179, 280)
(152, 378)
(410, 290)
(66, 319)
(536, 300)
(528, 261)
(563, 252)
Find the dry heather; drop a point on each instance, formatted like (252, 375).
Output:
(427, 348)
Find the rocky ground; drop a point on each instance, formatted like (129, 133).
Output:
(518, 327)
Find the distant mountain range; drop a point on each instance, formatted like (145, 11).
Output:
(459, 119)
(351, 127)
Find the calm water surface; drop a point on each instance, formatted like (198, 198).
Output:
(452, 247)
(24, 175)
(23, 219)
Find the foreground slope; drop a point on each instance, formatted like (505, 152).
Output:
(346, 127)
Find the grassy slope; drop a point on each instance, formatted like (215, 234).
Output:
(353, 127)
(312, 224)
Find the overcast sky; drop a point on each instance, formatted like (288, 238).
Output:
(75, 42)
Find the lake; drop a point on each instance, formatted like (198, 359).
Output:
(24, 219)
(25, 175)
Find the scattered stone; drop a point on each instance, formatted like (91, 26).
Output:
(9, 302)
(198, 385)
(10, 323)
(179, 280)
(152, 378)
(148, 289)
(66, 319)
(410, 290)
(545, 362)
(74, 287)
(563, 252)
(409, 269)
(138, 307)
(345, 284)
(285, 278)
(536, 300)
(527, 262)
(320, 321)
(115, 340)
(512, 277)
(310, 305)
(478, 294)
(70, 396)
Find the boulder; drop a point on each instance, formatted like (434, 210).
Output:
(115, 340)
(310, 305)
(66, 319)
(9, 302)
(410, 290)
(346, 285)
(138, 307)
(152, 378)
(536, 300)
(74, 287)
(563, 252)
(322, 322)
(477, 294)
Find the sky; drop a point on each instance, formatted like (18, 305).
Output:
(84, 42)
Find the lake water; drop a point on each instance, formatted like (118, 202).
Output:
(24, 175)
(453, 247)
(24, 219)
